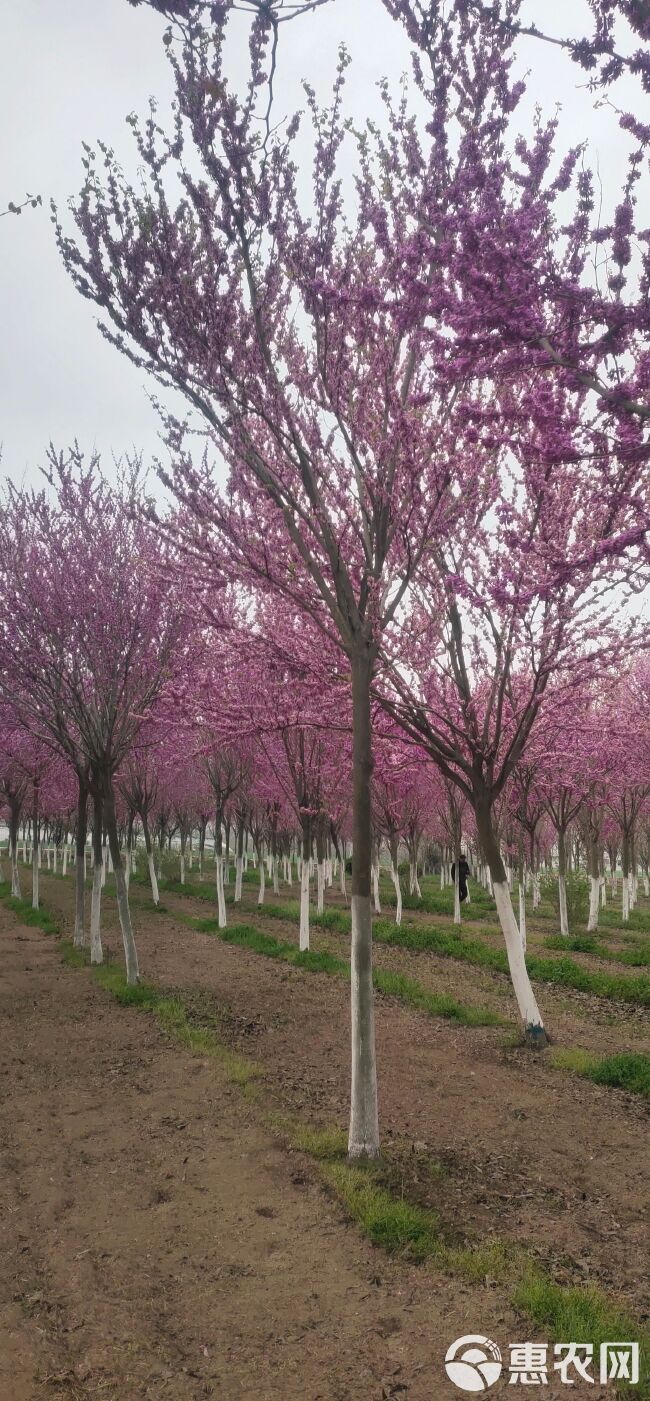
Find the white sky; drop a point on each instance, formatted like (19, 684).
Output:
(72, 70)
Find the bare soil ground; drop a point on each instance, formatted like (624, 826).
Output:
(158, 1240)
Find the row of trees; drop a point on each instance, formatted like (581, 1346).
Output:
(431, 398)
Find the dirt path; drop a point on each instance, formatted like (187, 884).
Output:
(157, 1241)
(540, 1157)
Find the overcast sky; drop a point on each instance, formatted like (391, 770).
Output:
(73, 70)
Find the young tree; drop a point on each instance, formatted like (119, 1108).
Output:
(330, 351)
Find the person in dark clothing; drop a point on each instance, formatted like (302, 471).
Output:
(463, 873)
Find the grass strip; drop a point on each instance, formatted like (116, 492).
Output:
(627, 1070)
(391, 1221)
(320, 961)
(39, 919)
(637, 957)
(578, 1313)
(172, 1012)
(564, 972)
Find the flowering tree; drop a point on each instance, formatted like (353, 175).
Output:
(333, 353)
(89, 634)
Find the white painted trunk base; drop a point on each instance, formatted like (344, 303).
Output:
(528, 1009)
(564, 919)
(153, 879)
(594, 903)
(363, 1140)
(96, 953)
(221, 898)
(375, 890)
(304, 906)
(398, 893)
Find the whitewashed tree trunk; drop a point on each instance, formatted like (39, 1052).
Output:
(221, 898)
(15, 875)
(594, 903)
(364, 1118)
(64, 866)
(522, 915)
(239, 865)
(626, 899)
(457, 892)
(320, 887)
(130, 951)
(304, 906)
(398, 892)
(96, 953)
(526, 1001)
(35, 865)
(564, 920)
(646, 886)
(153, 878)
(603, 892)
(342, 886)
(276, 875)
(262, 872)
(182, 869)
(375, 890)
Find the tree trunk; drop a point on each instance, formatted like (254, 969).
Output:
(526, 1002)
(14, 815)
(218, 858)
(304, 886)
(130, 951)
(239, 863)
(594, 882)
(36, 848)
(260, 864)
(363, 1141)
(561, 882)
(96, 954)
(457, 888)
(625, 861)
(80, 863)
(155, 894)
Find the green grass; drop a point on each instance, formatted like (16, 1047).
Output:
(582, 1314)
(629, 1070)
(175, 1016)
(399, 1226)
(72, 957)
(564, 972)
(637, 957)
(320, 961)
(436, 1004)
(39, 919)
(396, 1225)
